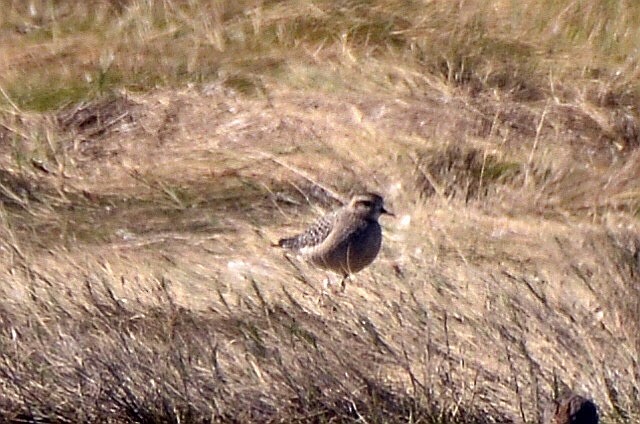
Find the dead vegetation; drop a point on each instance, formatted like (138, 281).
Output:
(150, 152)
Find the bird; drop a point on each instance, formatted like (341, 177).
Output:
(343, 241)
(571, 409)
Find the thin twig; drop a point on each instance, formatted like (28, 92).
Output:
(535, 143)
(304, 175)
(6, 96)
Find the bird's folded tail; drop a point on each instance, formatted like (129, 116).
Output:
(286, 243)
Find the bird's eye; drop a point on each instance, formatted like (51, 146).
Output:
(365, 203)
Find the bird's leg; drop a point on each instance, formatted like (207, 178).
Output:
(326, 284)
(326, 288)
(343, 283)
(320, 299)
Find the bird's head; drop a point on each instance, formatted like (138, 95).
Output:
(368, 205)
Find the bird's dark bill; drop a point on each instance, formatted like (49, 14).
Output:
(386, 212)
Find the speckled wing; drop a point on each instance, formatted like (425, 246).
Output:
(313, 236)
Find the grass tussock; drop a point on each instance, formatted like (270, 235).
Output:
(151, 152)
(75, 51)
(257, 362)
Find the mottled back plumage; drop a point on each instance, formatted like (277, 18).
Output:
(345, 240)
(315, 234)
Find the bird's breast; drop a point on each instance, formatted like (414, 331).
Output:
(353, 252)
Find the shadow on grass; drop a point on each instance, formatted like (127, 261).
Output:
(97, 359)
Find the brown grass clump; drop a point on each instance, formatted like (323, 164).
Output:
(150, 153)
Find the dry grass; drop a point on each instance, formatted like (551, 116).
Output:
(151, 151)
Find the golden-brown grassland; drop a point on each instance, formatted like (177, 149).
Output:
(151, 150)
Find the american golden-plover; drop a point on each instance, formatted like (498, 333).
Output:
(571, 409)
(345, 240)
